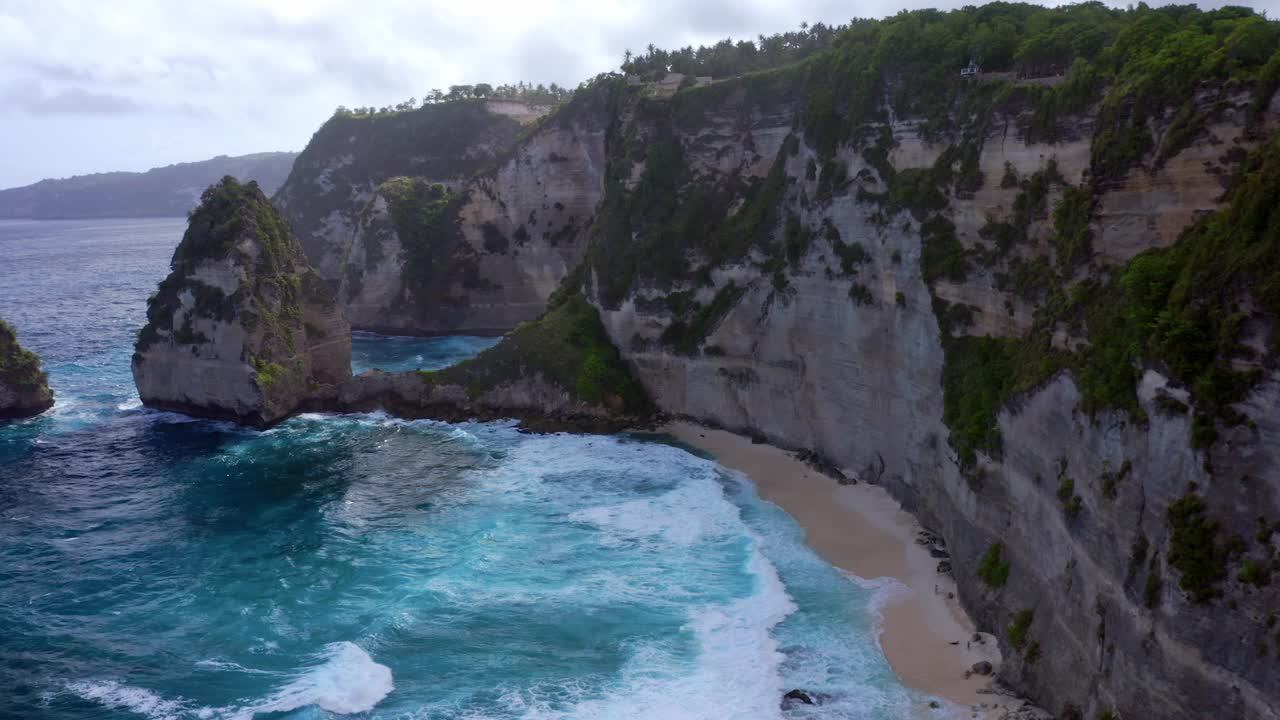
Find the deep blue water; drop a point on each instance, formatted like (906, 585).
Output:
(154, 566)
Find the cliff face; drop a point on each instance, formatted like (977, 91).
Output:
(242, 328)
(24, 387)
(930, 312)
(471, 255)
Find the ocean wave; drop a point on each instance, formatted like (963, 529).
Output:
(119, 696)
(686, 515)
(347, 681)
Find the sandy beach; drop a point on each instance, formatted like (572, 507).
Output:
(926, 635)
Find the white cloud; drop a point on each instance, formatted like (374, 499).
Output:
(139, 83)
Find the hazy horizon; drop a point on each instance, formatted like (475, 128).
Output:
(144, 84)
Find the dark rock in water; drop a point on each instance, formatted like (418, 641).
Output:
(935, 552)
(797, 696)
(944, 566)
(982, 668)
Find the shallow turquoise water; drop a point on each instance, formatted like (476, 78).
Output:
(153, 566)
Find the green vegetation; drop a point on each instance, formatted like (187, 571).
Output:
(1111, 479)
(1017, 630)
(728, 58)
(1072, 238)
(1181, 310)
(686, 336)
(1071, 502)
(228, 213)
(539, 94)
(425, 216)
(1256, 572)
(19, 367)
(975, 381)
(994, 569)
(1194, 550)
(860, 294)
(236, 223)
(1177, 309)
(1032, 652)
(267, 374)
(568, 347)
(942, 256)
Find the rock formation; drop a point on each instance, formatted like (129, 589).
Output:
(242, 328)
(391, 217)
(557, 373)
(24, 387)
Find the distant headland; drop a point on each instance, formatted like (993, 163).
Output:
(170, 191)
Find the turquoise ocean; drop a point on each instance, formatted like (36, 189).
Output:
(359, 566)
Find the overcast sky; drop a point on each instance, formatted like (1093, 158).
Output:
(133, 84)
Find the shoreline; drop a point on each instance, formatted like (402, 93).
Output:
(926, 636)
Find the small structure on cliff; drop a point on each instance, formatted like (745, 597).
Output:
(242, 328)
(24, 387)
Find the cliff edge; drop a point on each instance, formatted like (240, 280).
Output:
(24, 387)
(242, 328)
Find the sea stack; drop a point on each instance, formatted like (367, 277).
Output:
(243, 328)
(24, 387)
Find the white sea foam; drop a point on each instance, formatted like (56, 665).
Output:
(735, 676)
(348, 681)
(684, 516)
(119, 696)
(229, 666)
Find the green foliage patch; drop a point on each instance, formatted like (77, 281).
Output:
(1194, 549)
(994, 569)
(19, 367)
(568, 347)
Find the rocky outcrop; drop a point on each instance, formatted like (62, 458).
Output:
(490, 253)
(558, 373)
(242, 328)
(24, 387)
(335, 177)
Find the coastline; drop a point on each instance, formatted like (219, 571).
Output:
(925, 634)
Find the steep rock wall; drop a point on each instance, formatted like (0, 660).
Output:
(846, 358)
(506, 239)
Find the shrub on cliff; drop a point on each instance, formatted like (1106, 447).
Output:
(19, 367)
(568, 348)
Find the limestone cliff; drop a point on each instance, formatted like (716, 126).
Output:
(24, 387)
(242, 328)
(962, 314)
(394, 216)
